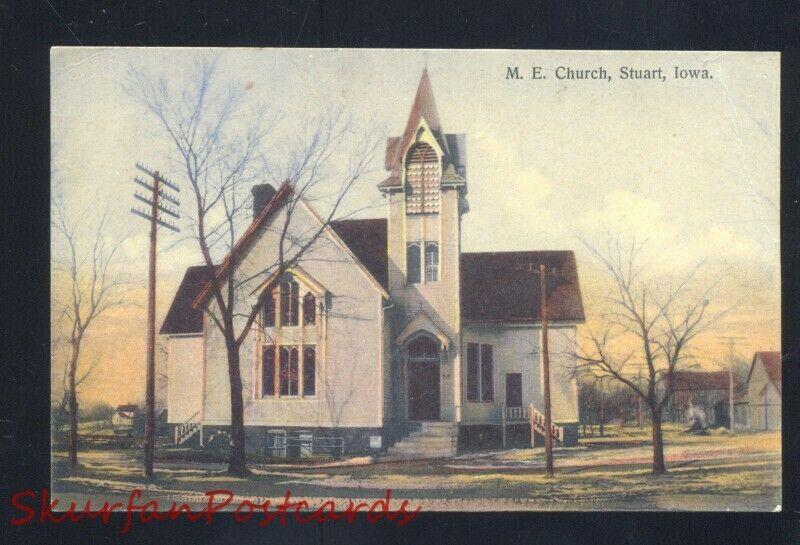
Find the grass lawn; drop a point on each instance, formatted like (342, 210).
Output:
(720, 471)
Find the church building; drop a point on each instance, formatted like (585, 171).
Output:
(386, 338)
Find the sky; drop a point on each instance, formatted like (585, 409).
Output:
(691, 167)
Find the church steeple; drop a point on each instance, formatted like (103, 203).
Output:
(423, 114)
(426, 194)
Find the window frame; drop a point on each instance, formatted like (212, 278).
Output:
(304, 364)
(309, 309)
(427, 266)
(480, 368)
(289, 349)
(419, 259)
(289, 303)
(264, 368)
(269, 310)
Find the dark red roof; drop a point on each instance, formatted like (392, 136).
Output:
(495, 286)
(700, 380)
(367, 240)
(772, 366)
(498, 287)
(182, 316)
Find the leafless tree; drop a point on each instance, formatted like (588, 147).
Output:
(93, 289)
(218, 140)
(649, 330)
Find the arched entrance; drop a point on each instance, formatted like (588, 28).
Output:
(422, 367)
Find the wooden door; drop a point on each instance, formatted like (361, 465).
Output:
(423, 390)
(513, 389)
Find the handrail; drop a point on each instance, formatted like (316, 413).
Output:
(538, 420)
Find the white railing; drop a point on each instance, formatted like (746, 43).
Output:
(186, 430)
(516, 414)
(537, 422)
(512, 415)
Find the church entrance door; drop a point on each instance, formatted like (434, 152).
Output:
(423, 364)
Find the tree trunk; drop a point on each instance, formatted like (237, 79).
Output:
(237, 464)
(73, 410)
(659, 467)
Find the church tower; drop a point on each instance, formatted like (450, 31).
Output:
(426, 189)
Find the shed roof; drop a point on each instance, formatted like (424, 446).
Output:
(772, 366)
(700, 380)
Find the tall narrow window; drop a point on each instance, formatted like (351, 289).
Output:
(473, 373)
(309, 308)
(268, 370)
(269, 308)
(422, 180)
(480, 372)
(413, 265)
(487, 373)
(309, 370)
(431, 262)
(288, 371)
(289, 303)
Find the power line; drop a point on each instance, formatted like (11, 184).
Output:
(155, 192)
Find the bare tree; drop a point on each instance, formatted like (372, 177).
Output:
(648, 333)
(93, 289)
(219, 141)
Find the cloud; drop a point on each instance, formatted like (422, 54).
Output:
(508, 196)
(629, 215)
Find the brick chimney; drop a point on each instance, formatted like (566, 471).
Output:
(262, 193)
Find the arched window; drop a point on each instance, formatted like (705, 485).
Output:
(288, 370)
(431, 262)
(413, 265)
(268, 370)
(309, 308)
(309, 370)
(422, 180)
(269, 308)
(423, 348)
(289, 303)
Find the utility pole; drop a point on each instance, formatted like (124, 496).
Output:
(602, 407)
(155, 192)
(548, 417)
(732, 341)
(730, 396)
(556, 279)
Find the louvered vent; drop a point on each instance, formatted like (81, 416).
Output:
(422, 180)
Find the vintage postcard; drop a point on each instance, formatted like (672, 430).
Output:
(329, 281)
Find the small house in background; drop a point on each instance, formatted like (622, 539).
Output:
(764, 391)
(706, 390)
(124, 418)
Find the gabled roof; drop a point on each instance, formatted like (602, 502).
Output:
(366, 238)
(182, 316)
(242, 245)
(496, 287)
(127, 408)
(700, 380)
(277, 199)
(772, 366)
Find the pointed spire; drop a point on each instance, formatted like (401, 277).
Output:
(424, 105)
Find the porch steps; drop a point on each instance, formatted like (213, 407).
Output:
(432, 440)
